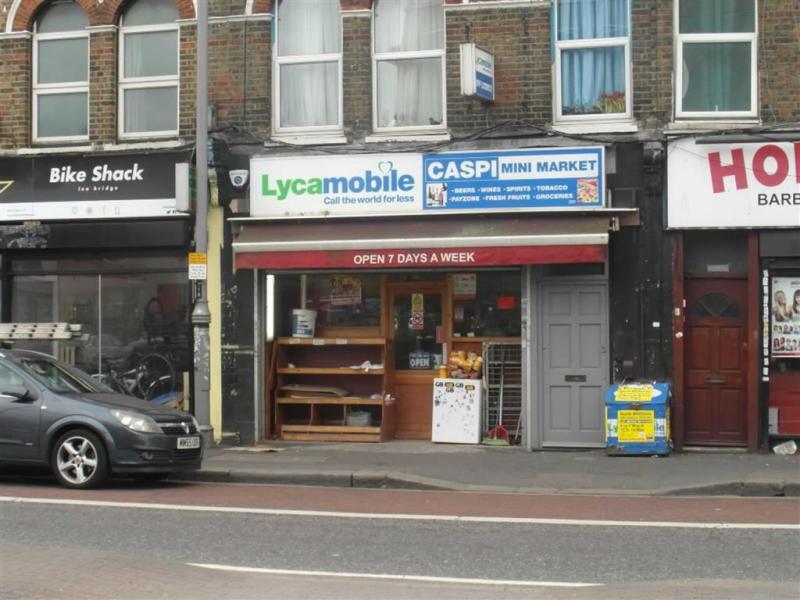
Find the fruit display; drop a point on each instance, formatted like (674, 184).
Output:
(464, 365)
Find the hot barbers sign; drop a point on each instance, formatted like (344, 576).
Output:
(88, 187)
(733, 185)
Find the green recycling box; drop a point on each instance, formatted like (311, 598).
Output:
(637, 418)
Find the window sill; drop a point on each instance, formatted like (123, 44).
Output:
(122, 145)
(684, 125)
(597, 127)
(377, 138)
(310, 139)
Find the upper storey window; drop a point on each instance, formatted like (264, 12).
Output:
(593, 80)
(148, 84)
(408, 65)
(308, 66)
(61, 74)
(716, 59)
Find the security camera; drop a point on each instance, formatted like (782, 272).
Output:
(239, 177)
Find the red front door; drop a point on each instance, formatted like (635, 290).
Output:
(716, 374)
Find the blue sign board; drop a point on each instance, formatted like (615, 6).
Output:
(477, 72)
(549, 178)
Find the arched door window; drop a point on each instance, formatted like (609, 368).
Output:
(715, 305)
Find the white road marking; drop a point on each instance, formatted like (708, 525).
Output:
(398, 517)
(386, 576)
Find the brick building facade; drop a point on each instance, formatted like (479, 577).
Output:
(524, 114)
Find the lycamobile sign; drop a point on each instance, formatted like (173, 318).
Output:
(383, 184)
(386, 179)
(363, 184)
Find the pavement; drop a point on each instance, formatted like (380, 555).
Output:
(425, 465)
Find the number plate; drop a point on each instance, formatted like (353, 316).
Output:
(188, 443)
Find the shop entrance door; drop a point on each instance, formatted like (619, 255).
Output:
(715, 390)
(417, 337)
(574, 363)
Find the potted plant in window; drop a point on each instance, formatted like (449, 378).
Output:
(613, 102)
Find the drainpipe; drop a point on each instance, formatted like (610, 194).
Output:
(201, 317)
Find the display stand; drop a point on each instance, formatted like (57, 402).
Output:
(332, 389)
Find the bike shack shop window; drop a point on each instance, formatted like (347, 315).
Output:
(129, 309)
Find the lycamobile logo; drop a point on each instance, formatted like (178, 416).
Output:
(385, 179)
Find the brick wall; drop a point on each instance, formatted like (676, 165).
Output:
(103, 86)
(518, 38)
(357, 75)
(239, 73)
(15, 92)
(779, 61)
(651, 55)
(188, 71)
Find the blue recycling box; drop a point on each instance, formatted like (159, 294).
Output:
(637, 418)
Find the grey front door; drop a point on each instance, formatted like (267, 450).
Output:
(574, 363)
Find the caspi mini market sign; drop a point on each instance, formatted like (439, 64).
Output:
(402, 184)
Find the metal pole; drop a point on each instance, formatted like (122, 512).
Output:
(201, 317)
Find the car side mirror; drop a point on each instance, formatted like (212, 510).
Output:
(20, 392)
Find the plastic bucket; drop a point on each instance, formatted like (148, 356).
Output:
(303, 322)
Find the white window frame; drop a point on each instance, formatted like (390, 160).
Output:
(410, 55)
(301, 59)
(44, 89)
(160, 81)
(688, 38)
(587, 44)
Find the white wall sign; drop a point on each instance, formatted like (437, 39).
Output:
(341, 185)
(733, 185)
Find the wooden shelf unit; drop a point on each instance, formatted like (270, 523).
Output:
(327, 361)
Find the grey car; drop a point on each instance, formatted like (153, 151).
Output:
(53, 414)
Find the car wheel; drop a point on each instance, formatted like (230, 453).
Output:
(79, 460)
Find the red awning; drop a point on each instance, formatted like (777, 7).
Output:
(426, 243)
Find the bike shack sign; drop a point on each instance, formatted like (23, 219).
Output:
(52, 188)
(742, 185)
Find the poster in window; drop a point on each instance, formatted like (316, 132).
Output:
(417, 321)
(785, 317)
(345, 290)
(465, 286)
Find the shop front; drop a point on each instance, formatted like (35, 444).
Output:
(736, 210)
(383, 273)
(101, 241)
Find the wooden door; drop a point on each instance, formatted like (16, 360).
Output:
(415, 347)
(715, 362)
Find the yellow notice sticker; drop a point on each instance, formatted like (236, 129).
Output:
(198, 270)
(636, 425)
(639, 393)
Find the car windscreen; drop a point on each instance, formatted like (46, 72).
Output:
(58, 377)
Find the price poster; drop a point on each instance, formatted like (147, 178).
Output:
(345, 290)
